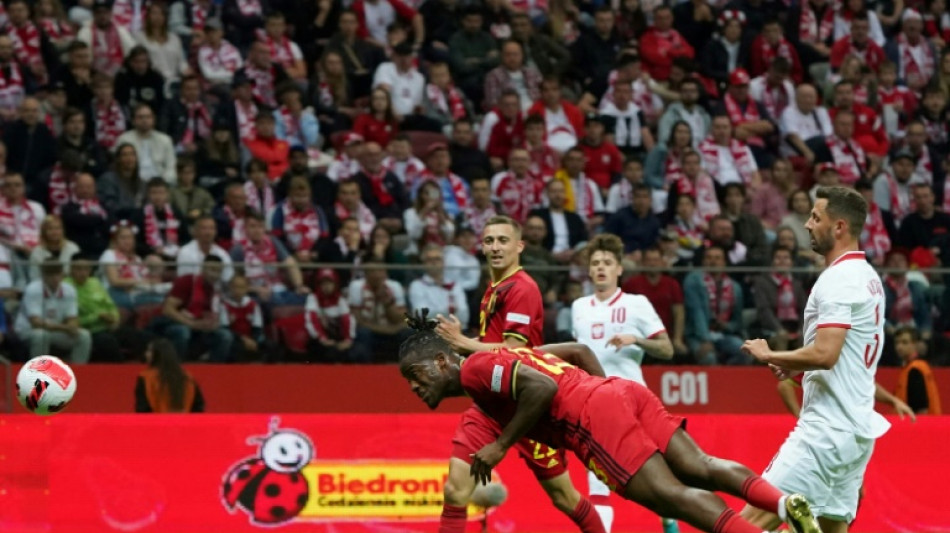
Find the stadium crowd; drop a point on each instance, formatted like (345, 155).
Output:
(174, 168)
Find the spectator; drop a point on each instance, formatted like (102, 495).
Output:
(166, 387)
(621, 193)
(186, 119)
(543, 52)
(926, 158)
(160, 226)
(97, 313)
(858, 42)
(467, 159)
(811, 28)
(77, 73)
(218, 59)
(379, 305)
(727, 50)
(18, 80)
(242, 315)
(49, 316)
(868, 127)
(603, 161)
(123, 273)
(687, 228)
(333, 94)
(567, 229)
(563, 121)
(629, 129)
(913, 54)
(50, 16)
(192, 255)
(164, 47)
(482, 206)
(535, 254)
(138, 83)
(802, 258)
(283, 51)
(803, 121)
(108, 41)
(296, 124)
(229, 215)
(189, 318)
(892, 188)
(770, 45)
(455, 191)
(773, 89)
(380, 189)
(433, 292)
(264, 257)
(512, 74)
(346, 248)
(401, 162)
(502, 129)
(544, 160)
(727, 158)
(360, 57)
(265, 75)
(472, 53)
(722, 233)
(75, 138)
(843, 151)
(427, 221)
(106, 115)
(349, 204)
(907, 302)
(156, 151)
(380, 124)
(876, 236)
(54, 187)
(30, 144)
(20, 219)
(380, 247)
(218, 158)
(695, 182)
(406, 87)
(299, 223)
(330, 324)
(441, 20)
(189, 199)
(661, 44)
(242, 18)
(686, 110)
(375, 16)
(267, 147)
(695, 21)
(664, 292)
(750, 120)
(240, 114)
(85, 219)
(461, 265)
(780, 302)
(896, 103)
(258, 187)
(638, 227)
(915, 385)
(934, 114)
(52, 247)
(583, 194)
(714, 312)
(663, 164)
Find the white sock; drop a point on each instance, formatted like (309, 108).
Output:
(606, 514)
(782, 513)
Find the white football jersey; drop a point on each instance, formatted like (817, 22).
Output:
(595, 322)
(848, 294)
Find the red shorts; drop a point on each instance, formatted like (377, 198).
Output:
(622, 425)
(476, 430)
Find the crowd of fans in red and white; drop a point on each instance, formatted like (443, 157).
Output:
(174, 168)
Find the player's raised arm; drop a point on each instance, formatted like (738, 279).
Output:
(819, 355)
(578, 355)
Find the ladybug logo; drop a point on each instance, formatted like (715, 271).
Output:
(270, 487)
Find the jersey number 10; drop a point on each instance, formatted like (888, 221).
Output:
(870, 354)
(618, 315)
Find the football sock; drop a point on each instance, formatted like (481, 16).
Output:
(760, 493)
(604, 510)
(730, 522)
(586, 518)
(453, 519)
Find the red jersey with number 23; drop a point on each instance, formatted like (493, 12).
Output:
(512, 307)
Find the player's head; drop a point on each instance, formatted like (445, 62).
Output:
(905, 342)
(838, 216)
(604, 254)
(428, 362)
(502, 244)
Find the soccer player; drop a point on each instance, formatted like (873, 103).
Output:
(511, 315)
(616, 427)
(621, 329)
(826, 454)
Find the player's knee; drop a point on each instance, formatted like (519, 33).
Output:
(455, 494)
(563, 496)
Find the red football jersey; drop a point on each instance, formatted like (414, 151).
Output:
(512, 307)
(490, 378)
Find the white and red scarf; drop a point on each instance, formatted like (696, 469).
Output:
(432, 234)
(775, 99)
(924, 171)
(786, 309)
(781, 49)
(721, 296)
(237, 225)
(902, 201)
(916, 62)
(813, 31)
(518, 196)
(325, 94)
(11, 86)
(123, 14)
(249, 8)
(226, 56)
(848, 157)
(19, 224)
(91, 207)
(129, 266)
(450, 101)
(741, 157)
(263, 88)
(243, 317)
(199, 15)
(703, 190)
(937, 28)
(902, 312)
(56, 29)
(107, 50)
(246, 114)
(302, 229)
(26, 44)
(257, 257)
(262, 203)
(458, 187)
(281, 52)
(874, 237)
(61, 187)
(544, 161)
(738, 117)
(409, 171)
(110, 123)
(363, 214)
(478, 218)
(198, 124)
(672, 167)
(689, 235)
(167, 243)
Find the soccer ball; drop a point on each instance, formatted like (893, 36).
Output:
(45, 385)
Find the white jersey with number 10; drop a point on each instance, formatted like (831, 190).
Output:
(848, 294)
(596, 322)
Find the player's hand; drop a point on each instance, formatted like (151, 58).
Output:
(902, 410)
(450, 329)
(621, 340)
(757, 348)
(782, 374)
(485, 459)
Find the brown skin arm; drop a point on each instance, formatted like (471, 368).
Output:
(576, 354)
(786, 391)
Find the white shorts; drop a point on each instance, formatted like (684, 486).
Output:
(826, 465)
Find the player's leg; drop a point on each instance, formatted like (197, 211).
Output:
(599, 495)
(474, 431)
(549, 466)
(832, 526)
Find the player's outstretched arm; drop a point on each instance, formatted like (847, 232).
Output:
(900, 408)
(819, 355)
(576, 354)
(450, 329)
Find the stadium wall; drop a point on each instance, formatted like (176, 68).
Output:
(165, 473)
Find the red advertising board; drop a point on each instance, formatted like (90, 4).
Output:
(380, 389)
(359, 473)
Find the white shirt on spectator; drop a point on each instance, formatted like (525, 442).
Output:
(378, 17)
(462, 268)
(560, 131)
(327, 316)
(52, 306)
(156, 154)
(805, 126)
(168, 58)
(6, 276)
(190, 257)
(416, 227)
(363, 301)
(445, 299)
(219, 65)
(773, 104)
(406, 88)
(562, 240)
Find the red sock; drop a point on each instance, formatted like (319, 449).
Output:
(587, 518)
(760, 493)
(730, 522)
(453, 519)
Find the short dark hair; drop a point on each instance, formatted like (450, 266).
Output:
(733, 185)
(605, 242)
(156, 183)
(846, 204)
(907, 330)
(778, 249)
(534, 119)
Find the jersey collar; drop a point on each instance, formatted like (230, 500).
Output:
(847, 256)
(515, 271)
(609, 301)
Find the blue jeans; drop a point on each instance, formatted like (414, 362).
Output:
(218, 341)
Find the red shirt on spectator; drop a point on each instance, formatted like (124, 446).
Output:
(657, 50)
(242, 317)
(663, 295)
(195, 293)
(868, 128)
(498, 135)
(761, 54)
(274, 152)
(375, 130)
(871, 55)
(603, 162)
